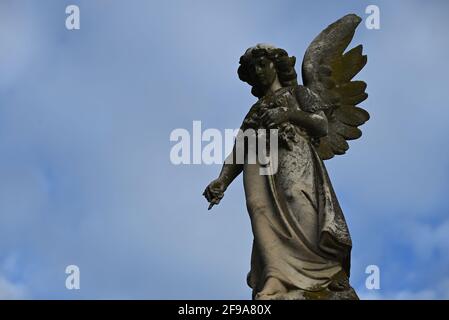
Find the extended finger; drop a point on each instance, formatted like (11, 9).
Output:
(213, 202)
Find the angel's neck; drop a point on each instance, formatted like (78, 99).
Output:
(276, 85)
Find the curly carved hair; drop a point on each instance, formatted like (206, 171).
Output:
(285, 66)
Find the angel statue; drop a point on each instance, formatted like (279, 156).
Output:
(301, 247)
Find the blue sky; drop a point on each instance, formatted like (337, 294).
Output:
(85, 120)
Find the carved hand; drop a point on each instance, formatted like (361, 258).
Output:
(214, 192)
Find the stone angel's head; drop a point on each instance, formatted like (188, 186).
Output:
(261, 64)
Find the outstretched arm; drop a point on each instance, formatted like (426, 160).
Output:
(231, 169)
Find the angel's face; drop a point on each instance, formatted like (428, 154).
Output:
(264, 71)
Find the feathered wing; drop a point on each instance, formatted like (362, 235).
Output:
(328, 71)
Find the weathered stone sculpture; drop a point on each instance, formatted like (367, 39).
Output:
(302, 246)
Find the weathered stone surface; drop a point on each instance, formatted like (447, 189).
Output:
(302, 246)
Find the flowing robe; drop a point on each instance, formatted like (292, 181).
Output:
(300, 234)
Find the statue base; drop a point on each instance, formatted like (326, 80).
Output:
(326, 294)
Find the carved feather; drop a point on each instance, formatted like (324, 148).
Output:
(328, 71)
